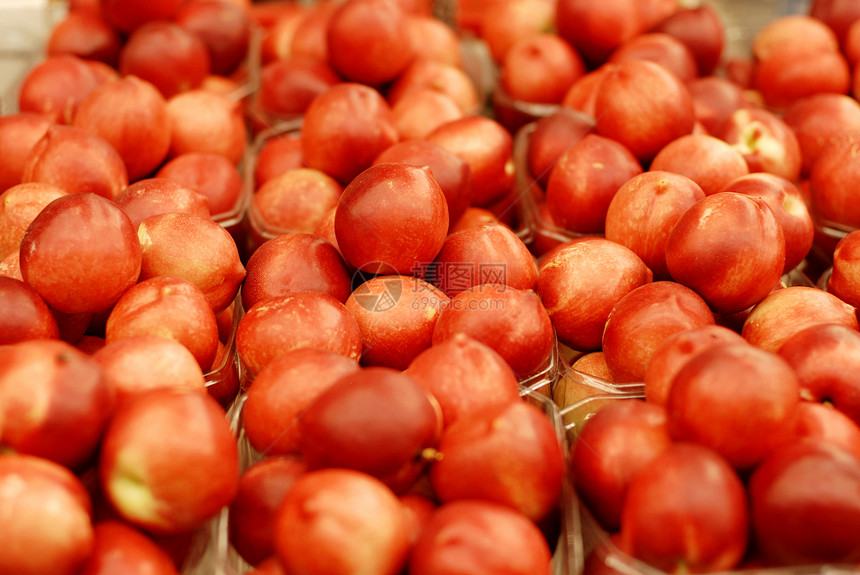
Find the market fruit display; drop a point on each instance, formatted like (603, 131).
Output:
(412, 287)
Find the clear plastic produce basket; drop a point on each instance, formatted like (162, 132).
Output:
(258, 230)
(210, 550)
(599, 550)
(542, 382)
(224, 379)
(567, 554)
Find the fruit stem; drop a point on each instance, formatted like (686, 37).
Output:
(430, 454)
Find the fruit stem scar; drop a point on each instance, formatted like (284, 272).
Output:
(430, 454)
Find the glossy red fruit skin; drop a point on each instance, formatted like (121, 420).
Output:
(76, 161)
(765, 140)
(701, 532)
(796, 72)
(831, 176)
(675, 351)
(820, 421)
(825, 358)
(583, 182)
(171, 307)
(391, 447)
(464, 375)
(136, 364)
(23, 313)
(418, 112)
(19, 206)
(69, 403)
(788, 205)
(643, 319)
(345, 129)
(432, 38)
(769, 325)
(18, 134)
(844, 272)
(781, 34)
(225, 29)
(644, 211)
(282, 390)
(572, 272)
(715, 99)
(644, 120)
(660, 48)
(487, 538)
(513, 322)
(602, 472)
(702, 31)
(275, 156)
(253, 511)
(707, 160)
(502, 24)
(164, 53)
(731, 274)
(81, 254)
(756, 416)
(296, 320)
(153, 196)
(203, 121)
(186, 473)
(817, 119)
(54, 87)
(798, 519)
(481, 255)
(122, 548)
(213, 176)
(295, 201)
(596, 30)
(540, 68)
(368, 41)
(837, 14)
(131, 114)
(446, 79)
(295, 262)
(450, 171)
(126, 16)
(358, 523)
(392, 218)
(86, 35)
(49, 528)
(289, 85)
(483, 457)
(552, 135)
(582, 94)
(491, 163)
(394, 331)
(308, 39)
(193, 248)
